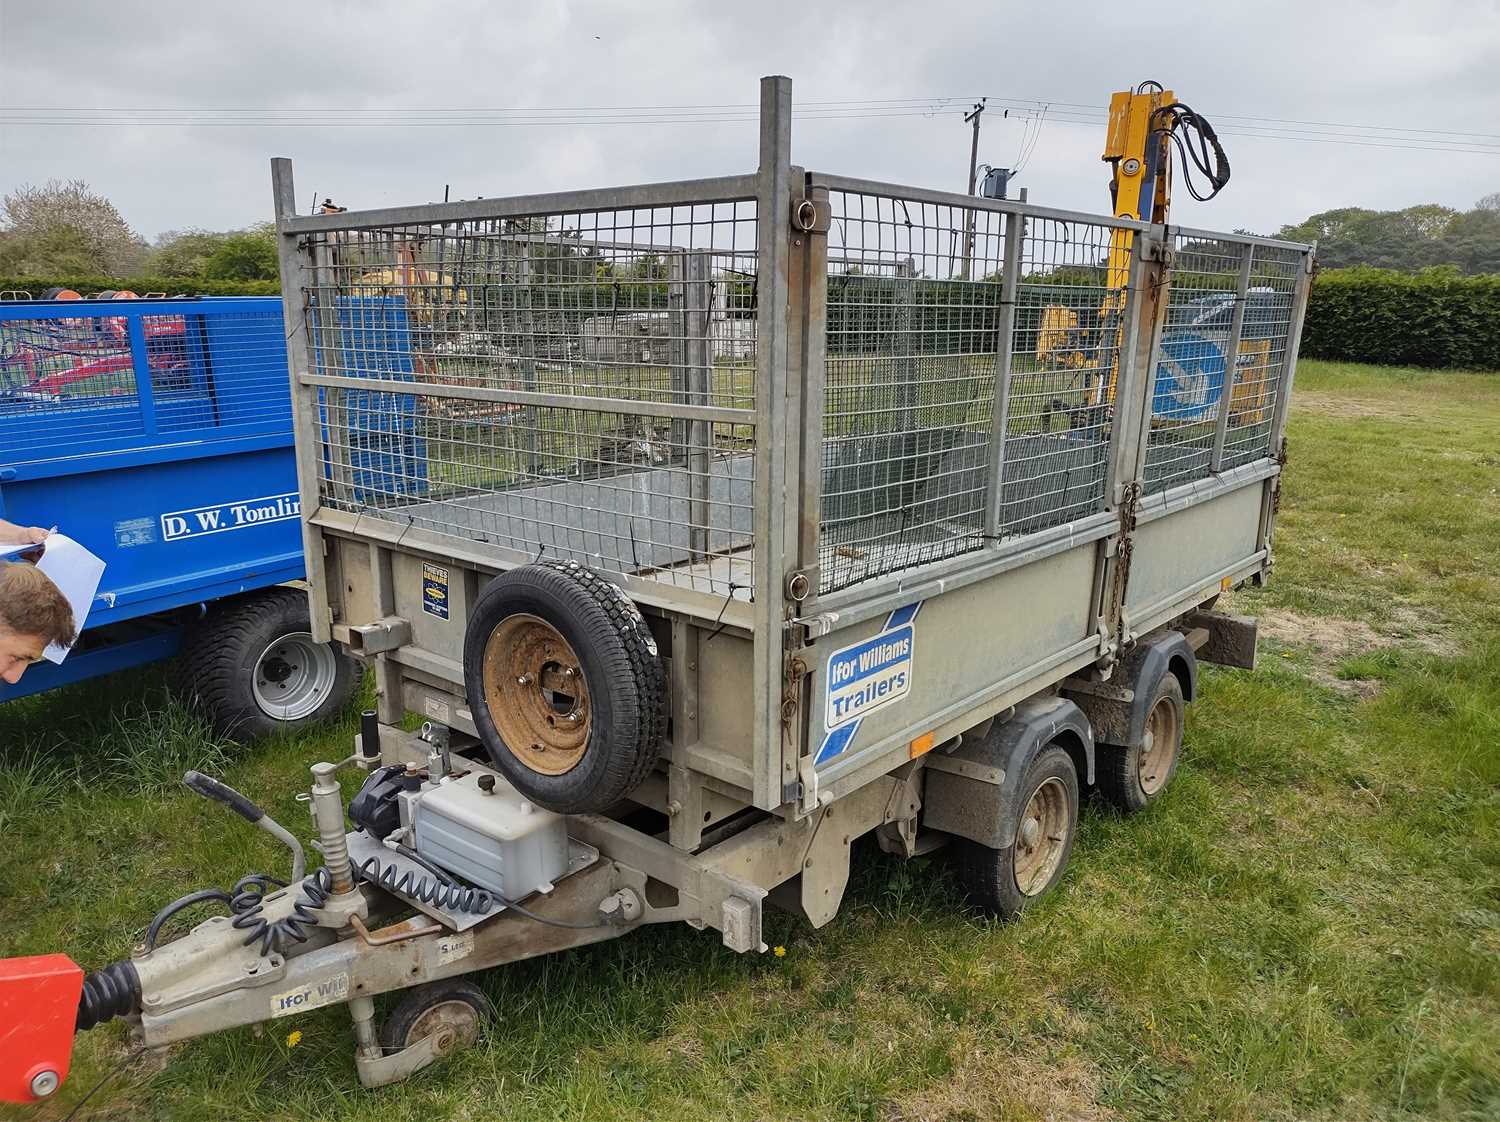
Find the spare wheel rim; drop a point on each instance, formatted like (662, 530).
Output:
(536, 693)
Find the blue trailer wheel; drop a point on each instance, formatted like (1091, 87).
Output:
(253, 667)
(294, 676)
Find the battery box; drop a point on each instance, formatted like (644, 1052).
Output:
(495, 839)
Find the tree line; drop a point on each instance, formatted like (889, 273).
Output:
(68, 230)
(1418, 237)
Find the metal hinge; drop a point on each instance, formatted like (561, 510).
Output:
(1156, 248)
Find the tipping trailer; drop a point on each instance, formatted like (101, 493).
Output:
(158, 434)
(711, 526)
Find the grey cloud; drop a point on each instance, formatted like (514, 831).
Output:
(1386, 63)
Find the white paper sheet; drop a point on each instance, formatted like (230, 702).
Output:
(76, 573)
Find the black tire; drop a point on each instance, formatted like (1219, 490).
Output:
(990, 876)
(217, 669)
(1131, 779)
(623, 699)
(456, 1005)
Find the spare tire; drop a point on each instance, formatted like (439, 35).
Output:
(567, 691)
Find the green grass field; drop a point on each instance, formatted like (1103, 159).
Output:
(1307, 926)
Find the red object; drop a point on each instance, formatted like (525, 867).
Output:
(38, 1009)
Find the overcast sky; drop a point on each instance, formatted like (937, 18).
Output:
(1398, 65)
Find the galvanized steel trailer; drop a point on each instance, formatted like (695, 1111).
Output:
(839, 422)
(896, 510)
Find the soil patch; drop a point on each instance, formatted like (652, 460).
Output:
(1059, 1089)
(1331, 640)
(1337, 405)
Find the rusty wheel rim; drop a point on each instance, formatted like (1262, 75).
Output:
(538, 699)
(455, 1023)
(1041, 837)
(1158, 746)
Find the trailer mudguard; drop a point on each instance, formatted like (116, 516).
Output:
(972, 790)
(1121, 723)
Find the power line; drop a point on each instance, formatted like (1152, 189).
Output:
(1388, 137)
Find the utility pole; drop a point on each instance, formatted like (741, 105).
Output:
(972, 117)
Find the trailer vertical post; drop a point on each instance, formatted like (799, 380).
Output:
(697, 321)
(1155, 304)
(814, 374)
(1005, 343)
(140, 360)
(1231, 359)
(1140, 337)
(677, 344)
(305, 414)
(773, 222)
(527, 325)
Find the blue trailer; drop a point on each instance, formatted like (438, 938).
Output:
(158, 434)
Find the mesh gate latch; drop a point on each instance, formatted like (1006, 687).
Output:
(812, 627)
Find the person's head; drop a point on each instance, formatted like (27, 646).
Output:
(33, 613)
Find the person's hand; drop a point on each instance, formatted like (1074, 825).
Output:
(11, 534)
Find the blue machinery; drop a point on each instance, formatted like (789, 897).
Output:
(158, 434)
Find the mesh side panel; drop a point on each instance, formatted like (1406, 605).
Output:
(68, 383)
(1069, 320)
(65, 380)
(1262, 359)
(643, 306)
(915, 305)
(216, 371)
(1193, 370)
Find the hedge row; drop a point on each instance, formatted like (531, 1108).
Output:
(1434, 318)
(172, 286)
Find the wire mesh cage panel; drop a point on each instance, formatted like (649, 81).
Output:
(919, 368)
(1264, 344)
(1070, 319)
(92, 377)
(1221, 359)
(1196, 376)
(576, 384)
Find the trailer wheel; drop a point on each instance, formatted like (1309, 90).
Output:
(1005, 882)
(1130, 779)
(254, 668)
(454, 1009)
(567, 691)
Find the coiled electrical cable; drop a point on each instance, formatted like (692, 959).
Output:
(491, 898)
(247, 901)
(436, 890)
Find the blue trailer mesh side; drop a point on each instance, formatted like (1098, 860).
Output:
(387, 456)
(94, 377)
